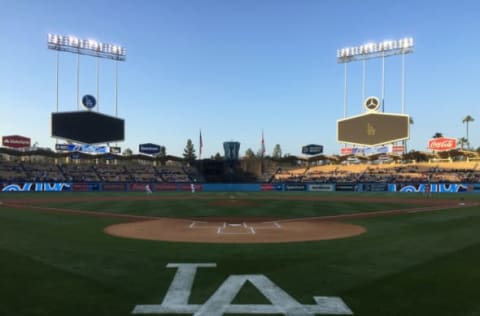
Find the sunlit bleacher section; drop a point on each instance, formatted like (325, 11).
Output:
(462, 171)
(325, 173)
(339, 173)
(290, 175)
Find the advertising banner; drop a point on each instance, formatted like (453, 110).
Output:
(475, 187)
(434, 187)
(295, 187)
(37, 187)
(377, 150)
(86, 187)
(375, 187)
(312, 149)
(231, 187)
(346, 151)
(62, 147)
(115, 150)
(371, 150)
(271, 187)
(91, 149)
(138, 187)
(442, 143)
(351, 187)
(120, 187)
(398, 149)
(16, 141)
(149, 148)
(166, 187)
(324, 187)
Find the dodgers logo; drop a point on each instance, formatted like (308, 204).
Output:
(220, 303)
(89, 101)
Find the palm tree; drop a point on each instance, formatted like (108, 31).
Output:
(437, 135)
(462, 142)
(467, 119)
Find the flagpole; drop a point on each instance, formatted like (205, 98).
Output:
(200, 146)
(263, 154)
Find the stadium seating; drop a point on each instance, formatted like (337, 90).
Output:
(96, 170)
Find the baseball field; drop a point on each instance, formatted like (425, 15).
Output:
(231, 253)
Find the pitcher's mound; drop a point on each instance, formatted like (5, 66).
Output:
(235, 230)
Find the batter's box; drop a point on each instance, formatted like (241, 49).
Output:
(268, 225)
(235, 229)
(198, 224)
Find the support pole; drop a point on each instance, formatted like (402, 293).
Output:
(383, 82)
(116, 88)
(345, 87)
(78, 81)
(403, 83)
(364, 75)
(58, 75)
(98, 84)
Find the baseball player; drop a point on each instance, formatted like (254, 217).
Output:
(148, 189)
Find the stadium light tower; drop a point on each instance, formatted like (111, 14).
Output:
(375, 50)
(72, 44)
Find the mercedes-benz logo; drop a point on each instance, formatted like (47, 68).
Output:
(371, 103)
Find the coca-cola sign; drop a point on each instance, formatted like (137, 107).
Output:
(442, 143)
(15, 141)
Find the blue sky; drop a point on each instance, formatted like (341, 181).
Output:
(235, 68)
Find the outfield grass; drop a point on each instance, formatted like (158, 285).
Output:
(412, 264)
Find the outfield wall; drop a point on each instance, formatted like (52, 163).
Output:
(243, 187)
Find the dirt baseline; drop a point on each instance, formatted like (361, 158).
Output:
(235, 231)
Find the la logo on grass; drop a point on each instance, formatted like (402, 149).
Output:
(220, 303)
